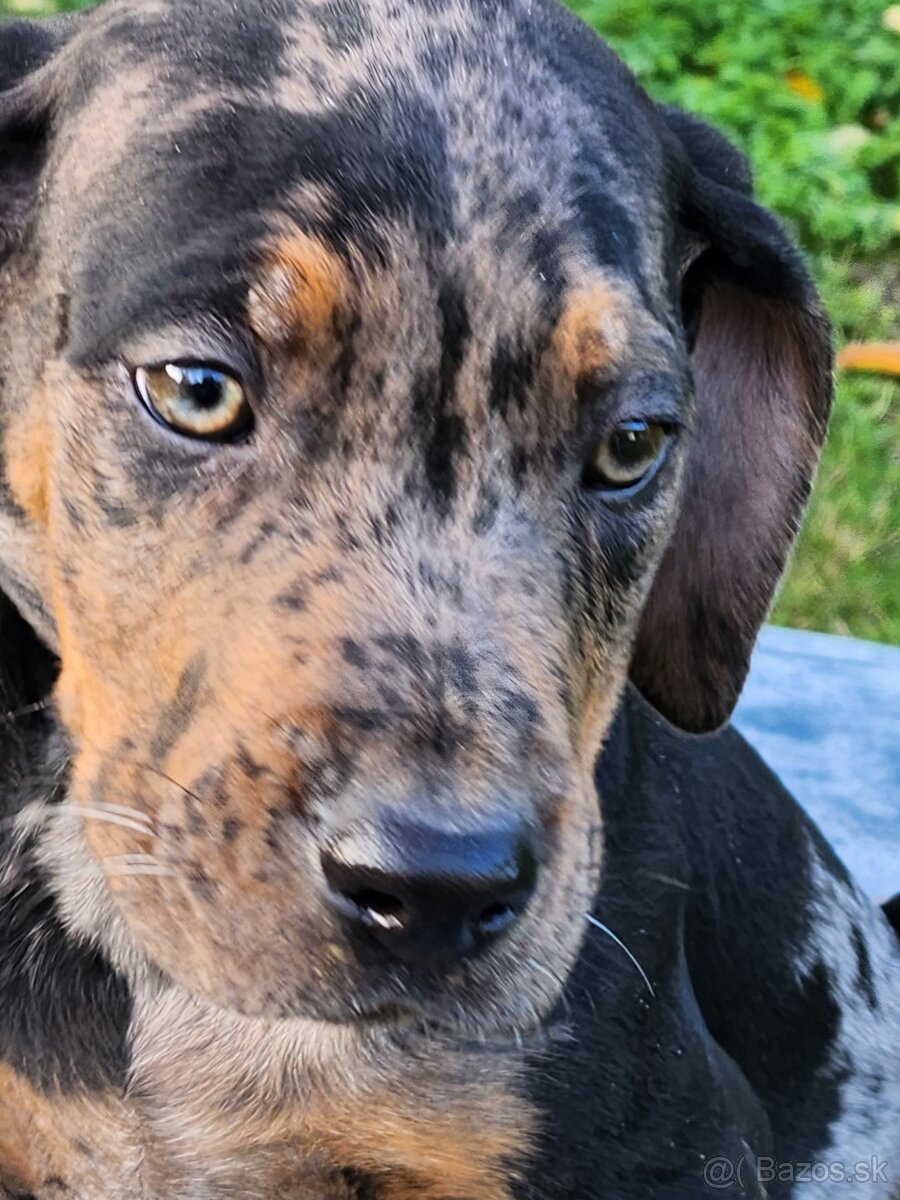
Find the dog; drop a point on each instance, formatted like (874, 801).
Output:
(405, 424)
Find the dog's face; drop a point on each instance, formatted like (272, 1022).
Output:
(352, 408)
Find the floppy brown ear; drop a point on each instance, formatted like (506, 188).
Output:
(762, 378)
(27, 51)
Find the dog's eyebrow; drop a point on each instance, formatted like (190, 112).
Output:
(298, 290)
(593, 329)
(382, 155)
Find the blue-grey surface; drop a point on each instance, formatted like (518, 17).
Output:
(824, 712)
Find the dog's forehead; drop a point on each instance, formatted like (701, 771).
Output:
(205, 125)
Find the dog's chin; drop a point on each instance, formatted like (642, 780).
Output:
(467, 1019)
(476, 1015)
(483, 1033)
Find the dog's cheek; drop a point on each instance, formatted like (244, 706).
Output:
(221, 869)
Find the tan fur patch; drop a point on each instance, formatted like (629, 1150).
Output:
(592, 333)
(88, 1143)
(27, 461)
(301, 286)
(466, 1154)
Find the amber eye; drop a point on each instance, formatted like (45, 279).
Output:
(626, 455)
(196, 399)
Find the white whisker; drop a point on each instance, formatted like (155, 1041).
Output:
(559, 984)
(159, 870)
(135, 860)
(111, 818)
(592, 920)
(119, 865)
(676, 883)
(124, 810)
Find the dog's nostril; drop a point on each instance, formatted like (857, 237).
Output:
(378, 908)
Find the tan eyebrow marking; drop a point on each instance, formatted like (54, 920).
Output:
(301, 285)
(592, 333)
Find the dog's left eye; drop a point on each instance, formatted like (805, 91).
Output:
(196, 399)
(626, 455)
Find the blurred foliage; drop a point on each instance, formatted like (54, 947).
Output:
(811, 92)
(42, 8)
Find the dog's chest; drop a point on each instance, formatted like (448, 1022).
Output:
(184, 1146)
(220, 1107)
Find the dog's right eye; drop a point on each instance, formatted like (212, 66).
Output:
(626, 456)
(198, 400)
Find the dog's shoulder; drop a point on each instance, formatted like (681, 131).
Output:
(774, 1014)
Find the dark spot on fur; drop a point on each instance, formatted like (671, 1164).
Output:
(73, 512)
(344, 24)
(195, 821)
(354, 654)
(346, 333)
(443, 431)
(446, 736)
(611, 231)
(512, 374)
(395, 703)
(296, 599)
(406, 649)
(257, 542)
(176, 715)
(359, 1186)
(323, 778)
(462, 670)
(518, 464)
(63, 304)
(365, 720)
(865, 980)
(231, 828)
(162, 467)
(332, 574)
(485, 514)
(249, 765)
(521, 710)
(275, 835)
(348, 541)
(201, 884)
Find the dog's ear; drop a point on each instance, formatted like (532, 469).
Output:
(26, 97)
(761, 362)
(28, 50)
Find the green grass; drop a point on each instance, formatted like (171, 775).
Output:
(812, 93)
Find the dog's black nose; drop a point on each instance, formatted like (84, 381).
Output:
(430, 894)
